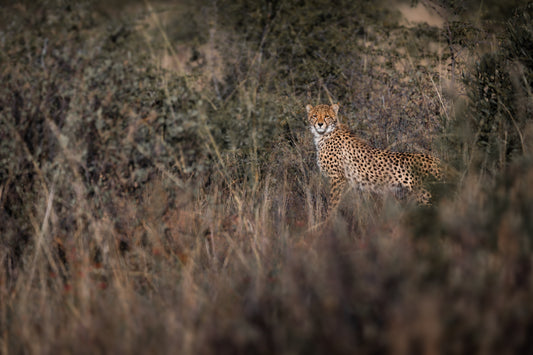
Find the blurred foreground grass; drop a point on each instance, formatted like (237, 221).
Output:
(158, 189)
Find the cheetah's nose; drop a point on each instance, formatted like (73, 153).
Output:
(320, 124)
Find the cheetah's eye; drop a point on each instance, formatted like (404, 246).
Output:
(314, 117)
(327, 117)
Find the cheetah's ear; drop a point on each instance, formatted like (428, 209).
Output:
(335, 108)
(308, 108)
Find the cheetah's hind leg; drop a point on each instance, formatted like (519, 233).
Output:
(422, 196)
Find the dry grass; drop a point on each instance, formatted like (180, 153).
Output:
(158, 189)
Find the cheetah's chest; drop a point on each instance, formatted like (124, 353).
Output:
(336, 155)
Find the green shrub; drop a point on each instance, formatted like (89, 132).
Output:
(500, 93)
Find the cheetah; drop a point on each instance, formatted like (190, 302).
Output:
(345, 158)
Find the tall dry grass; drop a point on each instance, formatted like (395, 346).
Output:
(159, 192)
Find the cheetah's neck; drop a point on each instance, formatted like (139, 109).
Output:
(321, 139)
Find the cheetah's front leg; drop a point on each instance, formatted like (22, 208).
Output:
(338, 183)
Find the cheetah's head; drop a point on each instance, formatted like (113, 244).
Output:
(322, 118)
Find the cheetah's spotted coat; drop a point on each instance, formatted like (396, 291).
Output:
(344, 157)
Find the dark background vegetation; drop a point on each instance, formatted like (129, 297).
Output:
(159, 191)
